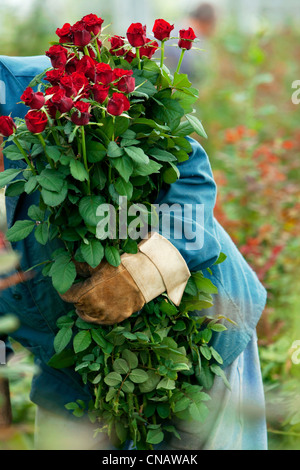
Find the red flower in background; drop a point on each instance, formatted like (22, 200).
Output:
(61, 101)
(36, 121)
(129, 56)
(126, 82)
(149, 48)
(186, 38)
(100, 92)
(136, 34)
(87, 66)
(117, 43)
(7, 126)
(104, 73)
(117, 104)
(81, 115)
(92, 23)
(162, 30)
(58, 56)
(65, 34)
(54, 76)
(81, 36)
(32, 99)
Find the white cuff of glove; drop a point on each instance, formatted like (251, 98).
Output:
(158, 267)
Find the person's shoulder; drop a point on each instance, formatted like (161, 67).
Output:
(24, 66)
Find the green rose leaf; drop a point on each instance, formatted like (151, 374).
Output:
(138, 376)
(78, 170)
(62, 339)
(7, 176)
(20, 230)
(92, 253)
(82, 341)
(113, 379)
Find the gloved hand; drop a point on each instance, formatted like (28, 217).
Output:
(110, 295)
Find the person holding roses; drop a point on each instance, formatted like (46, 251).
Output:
(38, 306)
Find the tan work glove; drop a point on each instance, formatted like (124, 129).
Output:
(110, 295)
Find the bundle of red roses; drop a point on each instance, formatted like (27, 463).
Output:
(108, 121)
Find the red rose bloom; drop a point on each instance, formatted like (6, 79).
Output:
(7, 126)
(117, 43)
(58, 56)
(61, 101)
(71, 65)
(68, 85)
(117, 104)
(81, 36)
(87, 66)
(104, 73)
(54, 76)
(162, 30)
(32, 99)
(36, 121)
(65, 35)
(80, 83)
(149, 49)
(81, 115)
(136, 34)
(92, 23)
(186, 38)
(100, 92)
(129, 56)
(125, 81)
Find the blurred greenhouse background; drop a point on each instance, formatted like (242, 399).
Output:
(245, 73)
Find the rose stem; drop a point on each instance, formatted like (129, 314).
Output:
(180, 60)
(85, 157)
(25, 155)
(162, 54)
(139, 57)
(44, 147)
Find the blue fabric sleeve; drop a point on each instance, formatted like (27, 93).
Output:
(195, 196)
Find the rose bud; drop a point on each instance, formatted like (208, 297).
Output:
(81, 115)
(7, 126)
(71, 65)
(117, 104)
(162, 30)
(80, 83)
(117, 43)
(149, 49)
(67, 84)
(129, 56)
(32, 99)
(92, 23)
(61, 101)
(81, 36)
(65, 35)
(58, 56)
(104, 73)
(87, 66)
(36, 121)
(126, 83)
(100, 92)
(186, 38)
(54, 76)
(136, 34)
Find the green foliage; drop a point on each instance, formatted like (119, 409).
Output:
(146, 371)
